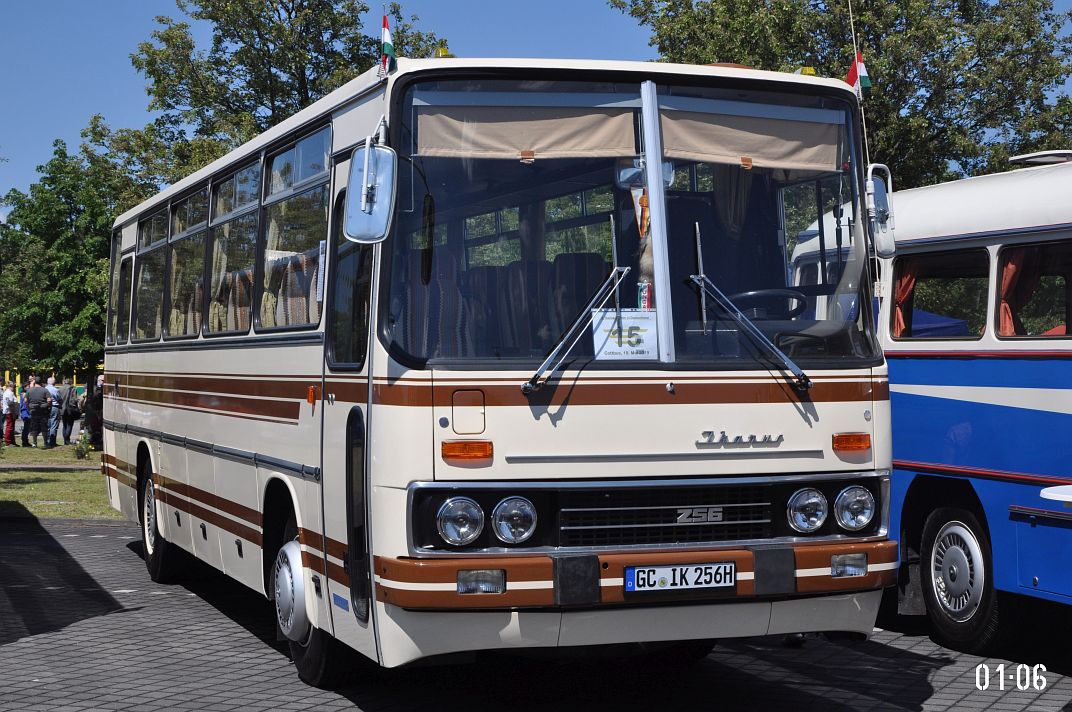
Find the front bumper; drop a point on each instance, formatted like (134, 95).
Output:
(572, 581)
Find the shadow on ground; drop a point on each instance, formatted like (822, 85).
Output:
(42, 588)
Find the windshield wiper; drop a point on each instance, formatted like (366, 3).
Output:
(574, 332)
(709, 290)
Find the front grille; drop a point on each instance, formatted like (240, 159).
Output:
(650, 516)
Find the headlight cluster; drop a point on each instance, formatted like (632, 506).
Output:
(854, 508)
(460, 520)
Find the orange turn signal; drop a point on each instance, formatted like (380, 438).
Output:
(311, 395)
(848, 442)
(467, 450)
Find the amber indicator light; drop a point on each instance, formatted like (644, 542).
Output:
(467, 450)
(852, 442)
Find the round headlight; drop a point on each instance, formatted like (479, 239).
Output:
(854, 508)
(514, 520)
(460, 521)
(806, 510)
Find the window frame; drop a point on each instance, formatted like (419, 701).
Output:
(896, 272)
(999, 257)
(325, 178)
(113, 286)
(158, 247)
(205, 230)
(332, 286)
(128, 258)
(251, 209)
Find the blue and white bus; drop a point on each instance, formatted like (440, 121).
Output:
(974, 320)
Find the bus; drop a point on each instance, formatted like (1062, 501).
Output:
(974, 322)
(502, 354)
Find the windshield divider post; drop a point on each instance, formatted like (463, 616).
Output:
(584, 318)
(701, 275)
(707, 287)
(614, 268)
(658, 226)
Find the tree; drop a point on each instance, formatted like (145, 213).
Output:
(55, 247)
(268, 59)
(959, 85)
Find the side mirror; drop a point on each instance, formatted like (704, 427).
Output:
(880, 210)
(370, 198)
(630, 173)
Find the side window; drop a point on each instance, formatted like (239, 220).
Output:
(149, 295)
(230, 287)
(1033, 296)
(153, 229)
(113, 289)
(352, 279)
(940, 295)
(122, 302)
(292, 291)
(186, 290)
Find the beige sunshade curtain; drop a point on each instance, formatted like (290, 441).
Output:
(767, 142)
(524, 132)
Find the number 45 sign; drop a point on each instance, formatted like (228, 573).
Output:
(624, 334)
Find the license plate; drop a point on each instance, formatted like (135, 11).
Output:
(680, 577)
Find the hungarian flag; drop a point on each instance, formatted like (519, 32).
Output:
(387, 58)
(858, 78)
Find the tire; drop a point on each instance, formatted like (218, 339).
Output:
(161, 558)
(321, 661)
(956, 572)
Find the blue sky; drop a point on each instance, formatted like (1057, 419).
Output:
(61, 61)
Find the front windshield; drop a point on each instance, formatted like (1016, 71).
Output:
(518, 197)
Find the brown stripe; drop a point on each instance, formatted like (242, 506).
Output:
(213, 500)
(313, 539)
(882, 390)
(525, 568)
(121, 477)
(312, 561)
(207, 412)
(207, 515)
(233, 404)
(636, 394)
(279, 387)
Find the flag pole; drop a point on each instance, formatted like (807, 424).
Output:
(856, 58)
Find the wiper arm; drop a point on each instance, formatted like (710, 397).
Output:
(574, 332)
(709, 290)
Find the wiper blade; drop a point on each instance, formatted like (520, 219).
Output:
(709, 290)
(574, 332)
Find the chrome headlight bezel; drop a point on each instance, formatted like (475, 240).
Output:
(842, 504)
(456, 503)
(500, 511)
(795, 502)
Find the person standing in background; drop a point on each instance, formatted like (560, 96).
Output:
(68, 409)
(24, 413)
(9, 405)
(54, 412)
(39, 403)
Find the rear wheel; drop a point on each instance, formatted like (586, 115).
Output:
(319, 659)
(958, 582)
(161, 558)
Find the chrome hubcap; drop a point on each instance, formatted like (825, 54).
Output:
(150, 517)
(958, 571)
(284, 592)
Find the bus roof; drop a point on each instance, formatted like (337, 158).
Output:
(369, 79)
(1033, 198)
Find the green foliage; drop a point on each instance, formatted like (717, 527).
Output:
(268, 59)
(958, 85)
(54, 260)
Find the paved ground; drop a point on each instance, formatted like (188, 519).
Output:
(82, 627)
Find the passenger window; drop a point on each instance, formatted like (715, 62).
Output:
(238, 191)
(352, 275)
(191, 213)
(1033, 296)
(113, 288)
(492, 239)
(940, 296)
(295, 243)
(307, 159)
(122, 302)
(149, 295)
(230, 287)
(153, 229)
(186, 293)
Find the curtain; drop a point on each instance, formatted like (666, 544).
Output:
(1020, 276)
(906, 282)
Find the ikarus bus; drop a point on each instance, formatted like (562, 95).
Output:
(492, 354)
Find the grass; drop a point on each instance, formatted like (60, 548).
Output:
(59, 455)
(55, 495)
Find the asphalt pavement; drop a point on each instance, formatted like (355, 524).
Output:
(83, 628)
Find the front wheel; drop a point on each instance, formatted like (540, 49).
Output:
(161, 558)
(319, 659)
(958, 582)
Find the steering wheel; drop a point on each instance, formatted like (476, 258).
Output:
(761, 295)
